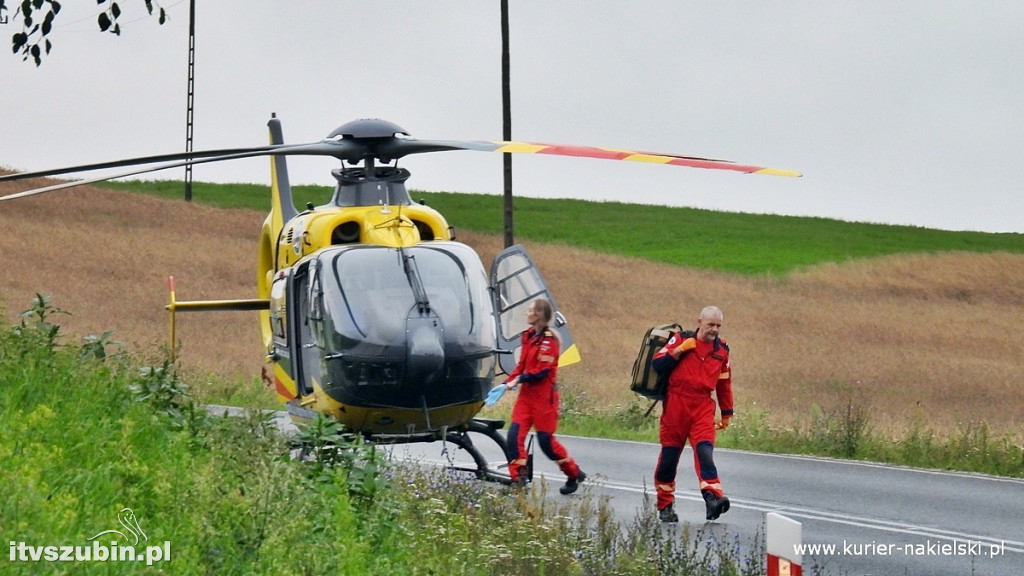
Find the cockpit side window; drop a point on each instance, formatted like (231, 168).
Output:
(315, 302)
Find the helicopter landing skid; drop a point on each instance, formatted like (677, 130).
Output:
(462, 439)
(479, 465)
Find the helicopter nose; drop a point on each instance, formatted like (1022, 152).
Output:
(425, 356)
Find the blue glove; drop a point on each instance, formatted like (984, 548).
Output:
(495, 394)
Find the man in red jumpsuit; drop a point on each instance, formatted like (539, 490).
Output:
(537, 405)
(697, 364)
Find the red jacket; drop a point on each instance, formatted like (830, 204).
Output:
(538, 358)
(698, 372)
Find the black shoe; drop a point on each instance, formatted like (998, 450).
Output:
(668, 515)
(715, 506)
(572, 484)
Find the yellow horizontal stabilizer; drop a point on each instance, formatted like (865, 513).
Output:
(215, 305)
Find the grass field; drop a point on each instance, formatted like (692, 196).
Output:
(920, 331)
(744, 243)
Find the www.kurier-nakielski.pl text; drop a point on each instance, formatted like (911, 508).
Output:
(927, 548)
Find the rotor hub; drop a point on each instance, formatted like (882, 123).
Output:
(367, 128)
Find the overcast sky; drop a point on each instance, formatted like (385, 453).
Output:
(905, 112)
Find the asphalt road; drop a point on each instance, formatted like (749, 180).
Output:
(865, 519)
(857, 518)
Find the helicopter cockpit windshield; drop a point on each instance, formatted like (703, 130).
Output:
(369, 297)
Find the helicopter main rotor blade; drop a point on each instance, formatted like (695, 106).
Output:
(594, 152)
(339, 149)
(387, 141)
(318, 149)
(129, 162)
(363, 140)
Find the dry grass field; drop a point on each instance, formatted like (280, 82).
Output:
(936, 339)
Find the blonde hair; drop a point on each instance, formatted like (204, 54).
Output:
(543, 309)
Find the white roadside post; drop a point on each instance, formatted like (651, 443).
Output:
(782, 537)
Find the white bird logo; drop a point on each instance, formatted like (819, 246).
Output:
(127, 519)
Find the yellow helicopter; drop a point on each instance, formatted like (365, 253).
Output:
(371, 312)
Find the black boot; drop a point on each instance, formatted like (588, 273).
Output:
(715, 506)
(668, 515)
(573, 483)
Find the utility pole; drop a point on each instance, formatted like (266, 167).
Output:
(506, 108)
(191, 95)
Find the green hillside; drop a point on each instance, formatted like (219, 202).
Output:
(745, 243)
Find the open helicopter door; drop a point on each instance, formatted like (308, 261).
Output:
(516, 283)
(293, 352)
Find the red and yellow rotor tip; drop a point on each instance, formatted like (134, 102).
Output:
(635, 156)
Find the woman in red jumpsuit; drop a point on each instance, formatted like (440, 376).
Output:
(697, 364)
(537, 405)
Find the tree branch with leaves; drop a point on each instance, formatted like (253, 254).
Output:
(37, 17)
